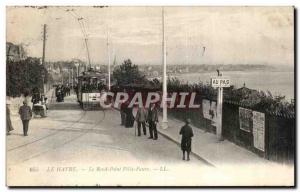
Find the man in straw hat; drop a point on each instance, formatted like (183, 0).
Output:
(186, 140)
(25, 114)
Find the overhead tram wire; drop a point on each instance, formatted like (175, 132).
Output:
(72, 13)
(84, 33)
(78, 19)
(82, 28)
(82, 23)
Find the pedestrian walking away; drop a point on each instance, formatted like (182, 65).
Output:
(152, 119)
(186, 140)
(25, 114)
(141, 117)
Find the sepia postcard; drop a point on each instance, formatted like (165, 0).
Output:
(110, 96)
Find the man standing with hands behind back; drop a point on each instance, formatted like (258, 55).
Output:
(26, 114)
(141, 117)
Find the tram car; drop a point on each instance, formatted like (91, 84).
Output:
(91, 86)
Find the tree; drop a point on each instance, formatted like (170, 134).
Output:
(127, 73)
(22, 76)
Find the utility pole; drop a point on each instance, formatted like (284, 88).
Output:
(72, 78)
(44, 44)
(69, 75)
(108, 53)
(44, 50)
(164, 52)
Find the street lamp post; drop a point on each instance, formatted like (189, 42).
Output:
(164, 99)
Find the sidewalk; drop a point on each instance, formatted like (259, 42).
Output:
(206, 146)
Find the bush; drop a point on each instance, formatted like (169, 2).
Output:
(23, 76)
(256, 100)
(127, 73)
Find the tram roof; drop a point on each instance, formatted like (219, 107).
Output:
(92, 73)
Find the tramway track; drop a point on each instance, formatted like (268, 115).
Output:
(67, 141)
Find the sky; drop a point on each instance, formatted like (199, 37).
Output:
(194, 35)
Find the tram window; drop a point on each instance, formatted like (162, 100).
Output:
(91, 86)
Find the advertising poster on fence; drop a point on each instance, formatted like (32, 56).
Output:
(259, 130)
(245, 116)
(209, 109)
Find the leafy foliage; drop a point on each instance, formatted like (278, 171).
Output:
(22, 76)
(253, 99)
(127, 73)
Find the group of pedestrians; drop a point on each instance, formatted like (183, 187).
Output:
(127, 118)
(25, 113)
(142, 118)
(61, 92)
(150, 117)
(67, 90)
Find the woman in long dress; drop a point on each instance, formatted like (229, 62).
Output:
(9, 126)
(129, 117)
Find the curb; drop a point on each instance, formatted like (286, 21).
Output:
(178, 143)
(193, 153)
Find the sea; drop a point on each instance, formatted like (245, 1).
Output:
(279, 83)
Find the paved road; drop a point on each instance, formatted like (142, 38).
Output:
(99, 150)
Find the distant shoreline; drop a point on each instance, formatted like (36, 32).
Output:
(151, 70)
(277, 82)
(254, 70)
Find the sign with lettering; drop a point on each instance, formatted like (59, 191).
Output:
(245, 116)
(220, 81)
(259, 130)
(209, 109)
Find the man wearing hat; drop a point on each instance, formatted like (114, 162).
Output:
(25, 114)
(141, 117)
(186, 140)
(152, 119)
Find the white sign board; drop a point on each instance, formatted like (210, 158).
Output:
(259, 130)
(209, 109)
(220, 81)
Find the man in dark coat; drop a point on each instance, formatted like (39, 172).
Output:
(26, 114)
(186, 140)
(152, 120)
